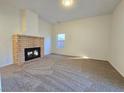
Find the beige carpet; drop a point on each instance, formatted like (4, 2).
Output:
(57, 73)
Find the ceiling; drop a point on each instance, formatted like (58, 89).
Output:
(53, 11)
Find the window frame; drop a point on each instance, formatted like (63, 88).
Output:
(60, 43)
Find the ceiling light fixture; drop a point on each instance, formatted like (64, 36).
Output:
(67, 3)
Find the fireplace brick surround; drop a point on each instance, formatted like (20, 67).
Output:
(20, 42)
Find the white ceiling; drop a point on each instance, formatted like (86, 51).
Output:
(53, 11)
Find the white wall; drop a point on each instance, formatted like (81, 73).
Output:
(31, 22)
(45, 31)
(85, 37)
(11, 23)
(117, 38)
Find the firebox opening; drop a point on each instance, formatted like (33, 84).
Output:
(32, 53)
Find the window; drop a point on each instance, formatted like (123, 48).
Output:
(60, 40)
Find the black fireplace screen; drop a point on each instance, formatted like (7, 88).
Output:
(32, 53)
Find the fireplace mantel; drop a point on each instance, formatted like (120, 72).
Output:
(20, 42)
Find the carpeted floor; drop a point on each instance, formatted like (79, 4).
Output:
(57, 73)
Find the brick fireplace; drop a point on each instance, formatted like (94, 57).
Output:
(33, 44)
